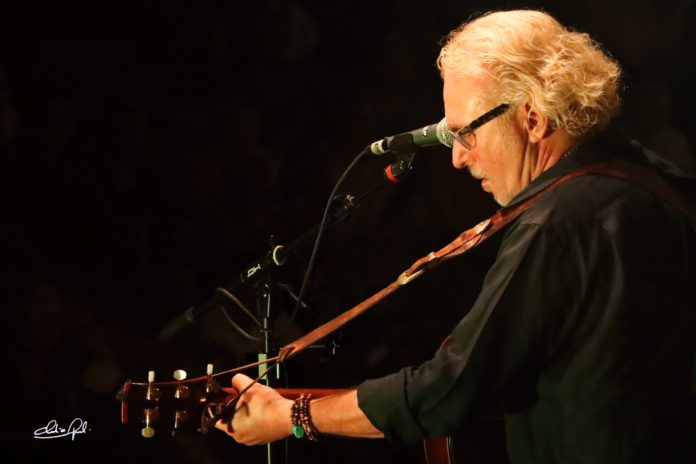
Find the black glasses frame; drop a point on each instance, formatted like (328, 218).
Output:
(467, 131)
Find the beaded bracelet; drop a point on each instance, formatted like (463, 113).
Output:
(301, 419)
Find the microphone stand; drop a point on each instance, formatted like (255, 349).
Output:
(277, 255)
(256, 272)
(260, 275)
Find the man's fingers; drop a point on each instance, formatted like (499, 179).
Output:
(241, 381)
(222, 425)
(226, 425)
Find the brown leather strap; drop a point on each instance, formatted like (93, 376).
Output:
(470, 238)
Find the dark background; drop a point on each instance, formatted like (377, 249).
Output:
(149, 151)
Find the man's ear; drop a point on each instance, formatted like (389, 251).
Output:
(536, 123)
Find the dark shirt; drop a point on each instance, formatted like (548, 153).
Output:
(583, 330)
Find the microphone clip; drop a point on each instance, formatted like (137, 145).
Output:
(397, 170)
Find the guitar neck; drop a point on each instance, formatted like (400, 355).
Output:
(294, 393)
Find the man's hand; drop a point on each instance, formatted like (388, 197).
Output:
(262, 415)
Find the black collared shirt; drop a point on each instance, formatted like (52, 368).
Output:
(583, 330)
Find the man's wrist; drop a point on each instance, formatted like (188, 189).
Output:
(301, 419)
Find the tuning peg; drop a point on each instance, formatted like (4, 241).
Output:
(211, 386)
(152, 393)
(182, 391)
(179, 418)
(150, 415)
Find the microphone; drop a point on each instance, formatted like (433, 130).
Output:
(428, 136)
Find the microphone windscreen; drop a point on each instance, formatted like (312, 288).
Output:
(444, 135)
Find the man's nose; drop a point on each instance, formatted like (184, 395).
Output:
(460, 156)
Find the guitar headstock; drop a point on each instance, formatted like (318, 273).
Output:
(176, 406)
(190, 404)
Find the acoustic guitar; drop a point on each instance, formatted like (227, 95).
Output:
(186, 405)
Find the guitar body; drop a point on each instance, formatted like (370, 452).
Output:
(483, 442)
(438, 450)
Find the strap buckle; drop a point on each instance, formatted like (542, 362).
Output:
(405, 277)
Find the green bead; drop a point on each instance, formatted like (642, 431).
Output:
(298, 431)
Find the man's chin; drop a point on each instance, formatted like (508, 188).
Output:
(500, 202)
(501, 199)
(486, 186)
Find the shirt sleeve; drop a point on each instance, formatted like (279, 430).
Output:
(501, 340)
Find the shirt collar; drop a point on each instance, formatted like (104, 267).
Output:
(608, 144)
(579, 157)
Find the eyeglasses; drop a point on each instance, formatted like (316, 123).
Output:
(466, 135)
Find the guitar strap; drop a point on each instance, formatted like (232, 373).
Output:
(438, 448)
(644, 177)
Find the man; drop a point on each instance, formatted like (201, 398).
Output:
(584, 326)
